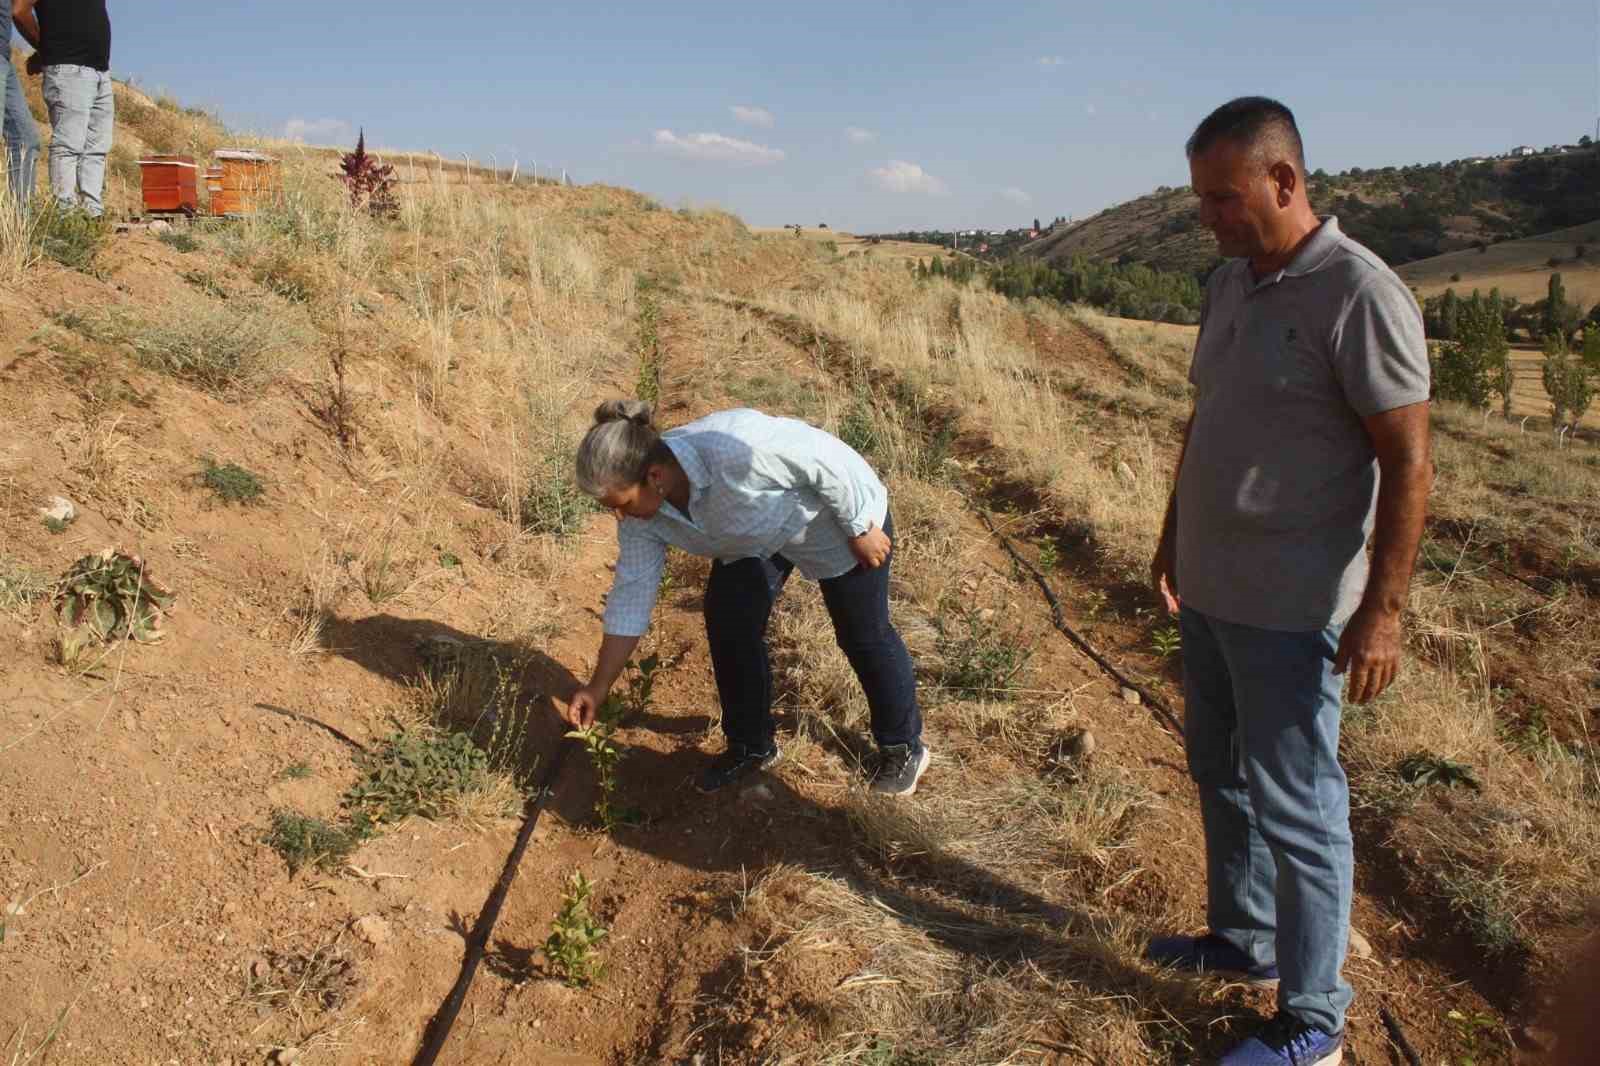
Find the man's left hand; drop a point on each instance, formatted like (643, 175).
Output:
(1369, 651)
(871, 548)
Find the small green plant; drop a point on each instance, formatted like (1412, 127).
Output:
(569, 950)
(642, 684)
(70, 236)
(1166, 641)
(1477, 1032)
(1486, 907)
(110, 595)
(449, 560)
(1426, 768)
(206, 283)
(297, 771)
(178, 241)
(418, 771)
(858, 428)
(648, 387)
(232, 483)
(552, 505)
(1049, 557)
(306, 841)
(56, 525)
(978, 661)
(604, 755)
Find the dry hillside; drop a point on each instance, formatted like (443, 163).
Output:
(343, 443)
(1517, 268)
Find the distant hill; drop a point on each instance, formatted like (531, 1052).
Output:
(1517, 268)
(1402, 213)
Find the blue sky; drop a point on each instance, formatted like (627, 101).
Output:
(875, 115)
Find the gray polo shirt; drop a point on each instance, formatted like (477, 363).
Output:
(1278, 489)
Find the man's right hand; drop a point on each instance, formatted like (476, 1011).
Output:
(583, 706)
(35, 63)
(1163, 576)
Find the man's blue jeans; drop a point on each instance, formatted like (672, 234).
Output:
(1263, 744)
(738, 604)
(21, 137)
(81, 120)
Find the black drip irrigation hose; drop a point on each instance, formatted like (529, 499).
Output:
(478, 941)
(1157, 705)
(1391, 1023)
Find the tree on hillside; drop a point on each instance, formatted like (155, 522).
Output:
(1568, 382)
(1559, 317)
(1475, 365)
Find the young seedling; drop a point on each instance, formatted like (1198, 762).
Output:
(570, 948)
(598, 740)
(1166, 641)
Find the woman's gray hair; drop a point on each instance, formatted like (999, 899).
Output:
(619, 447)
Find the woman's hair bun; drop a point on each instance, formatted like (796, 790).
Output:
(636, 411)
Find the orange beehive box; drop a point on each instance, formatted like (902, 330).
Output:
(240, 181)
(167, 183)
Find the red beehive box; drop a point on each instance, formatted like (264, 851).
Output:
(168, 183)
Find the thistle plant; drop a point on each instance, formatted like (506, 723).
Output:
(111, 596)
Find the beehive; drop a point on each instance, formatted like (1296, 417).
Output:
(167, 183)
(242, 181)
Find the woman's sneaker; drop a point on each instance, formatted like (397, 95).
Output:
(1210, 954)
(1287, 1041)
(738, 761)
(900, 767)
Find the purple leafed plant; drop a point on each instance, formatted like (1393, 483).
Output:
(370, 180)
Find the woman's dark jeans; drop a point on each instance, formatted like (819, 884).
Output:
(738, 604)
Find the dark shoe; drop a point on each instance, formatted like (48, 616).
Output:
(900, 767)
(1210, 954)
(1287, 1041)
(738, 761)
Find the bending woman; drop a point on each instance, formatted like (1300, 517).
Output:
(762, 496)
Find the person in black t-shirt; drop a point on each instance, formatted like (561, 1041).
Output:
(72, 43)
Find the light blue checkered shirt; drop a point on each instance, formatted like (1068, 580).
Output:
(758, 486)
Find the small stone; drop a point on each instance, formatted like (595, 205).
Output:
(1533, 1038)
(160, 226)
(1360, 946)
(986, 614)
(1130, 695)
(760, 792)
(59, 509)
(373, 929)
(287, 1056)
(1125, 473)
(14, 910)
(260, 968)
(1079, 745)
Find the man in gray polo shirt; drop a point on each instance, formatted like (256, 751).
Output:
(1311, 380)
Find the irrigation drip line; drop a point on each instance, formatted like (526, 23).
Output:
(308, 720)
(1391, 1023)
(478, 941)
(1168, 720)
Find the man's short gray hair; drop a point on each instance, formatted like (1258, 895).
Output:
(619, 447)
(1255, 122)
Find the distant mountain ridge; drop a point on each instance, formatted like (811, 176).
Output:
(1402, 213)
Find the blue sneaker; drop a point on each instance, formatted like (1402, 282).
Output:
(1210, 954)
(1287, 1041)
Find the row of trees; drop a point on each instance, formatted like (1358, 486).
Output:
(1555, 314)
(1473, 366)
(1130, 291)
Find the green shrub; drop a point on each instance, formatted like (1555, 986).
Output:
(20, 587)
(178, 240)
(569, 951)
(306, 841)
(232, 483)
(552, 504)
(218, 347)
(418, 772)
(977, 660)
(68, 235)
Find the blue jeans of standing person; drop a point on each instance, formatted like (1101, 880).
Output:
(1262, 734)
(21, 136)
(81, 118)
(738, 604)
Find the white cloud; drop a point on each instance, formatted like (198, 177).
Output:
(318, 130)
(1016, 195)
(752, 116)
(1050, 61)
(857, 135)
(717, 148)
(902, 177)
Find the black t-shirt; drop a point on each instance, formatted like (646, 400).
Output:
(77, 32)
